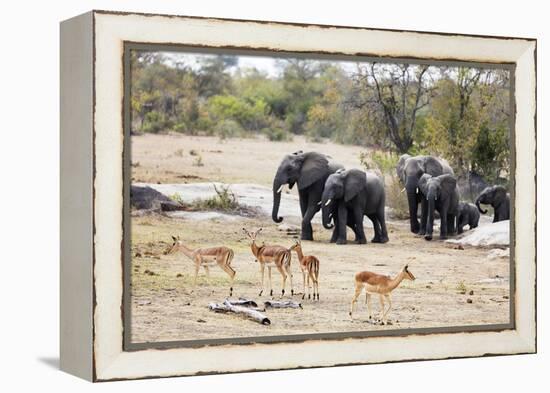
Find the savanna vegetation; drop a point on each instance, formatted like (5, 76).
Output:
(459, 113)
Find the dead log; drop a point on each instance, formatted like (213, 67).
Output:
(250, 313)
(243, 302)
(282, 304)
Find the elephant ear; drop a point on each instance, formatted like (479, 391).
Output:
(423, 183)
(355, 181)
(499, 194)
(432, 166)
(448, 183)
(314, 167)
(401, 167)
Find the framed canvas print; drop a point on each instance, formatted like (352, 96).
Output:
(248, 195)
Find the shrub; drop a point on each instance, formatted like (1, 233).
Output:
(198, 161)
(224, 200)
(385, 164)
(277, 134)
(228, 128)
(176, 198)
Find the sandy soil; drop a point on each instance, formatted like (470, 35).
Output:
(164, 309)
(173, 158)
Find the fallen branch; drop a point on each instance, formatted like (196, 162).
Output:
(243, 302)
(282, 304)
(250, 313)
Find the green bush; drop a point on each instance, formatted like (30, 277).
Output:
(228, 128)
(224, 200)
(385, 164)
(277, 134)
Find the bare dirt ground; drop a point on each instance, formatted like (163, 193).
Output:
(455, 285)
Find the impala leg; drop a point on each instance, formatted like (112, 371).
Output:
(287, 269)
(231, 273)
(270, 283)
(304, 282)
(369, 308)
(384, 317)
(382, 306)
(262, 271)
(358, 289)
(309, 283)
(283, 275)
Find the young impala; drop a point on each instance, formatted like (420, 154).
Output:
(271, 255)
(310, 267)
(380, 285)
(206, 257)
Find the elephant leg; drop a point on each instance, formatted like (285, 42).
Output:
(375, 227)
(307, 230)
(381, 218)
(353, 225)
(443, 224)
(334, 236)
(383, 229)
(423, 216)
(357, 215)
(342, 220)
(451, 227)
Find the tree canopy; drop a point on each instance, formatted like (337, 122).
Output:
(459, 113)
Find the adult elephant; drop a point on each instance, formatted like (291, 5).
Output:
(354, 194)
(498, 198)
(310, 171)
(409, 170)
(441, 194)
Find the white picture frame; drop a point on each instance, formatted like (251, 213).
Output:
(92, 194)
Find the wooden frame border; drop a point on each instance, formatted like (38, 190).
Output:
(96, 350)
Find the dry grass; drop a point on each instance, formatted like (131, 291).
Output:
(163, 307)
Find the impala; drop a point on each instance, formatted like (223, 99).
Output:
(382, 286)
(206, 257)
(271, 256)
(310, 268)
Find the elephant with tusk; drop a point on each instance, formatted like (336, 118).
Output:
(409, 170)
(309, 170)
(350, 195)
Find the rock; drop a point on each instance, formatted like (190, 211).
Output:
(471, 293)
(147, 198)
(469, 301)
(288, 228)
(498, 253)
(201, 320)
(494, 234)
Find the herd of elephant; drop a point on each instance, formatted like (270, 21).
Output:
(346, 196)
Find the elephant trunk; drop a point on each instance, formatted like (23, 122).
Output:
(277, 191)
(430, 218)
(412, 199)
(478, 201)
(327, 216)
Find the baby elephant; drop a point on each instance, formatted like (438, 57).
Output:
(467, 215)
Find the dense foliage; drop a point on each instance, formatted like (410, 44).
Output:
(459, 113)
